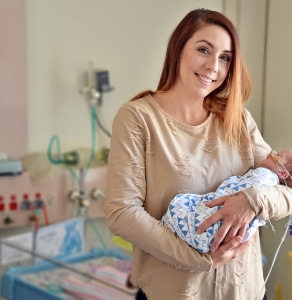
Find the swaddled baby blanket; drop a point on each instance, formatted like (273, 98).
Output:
(187, 211)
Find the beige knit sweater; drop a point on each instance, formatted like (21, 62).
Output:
(152, 158)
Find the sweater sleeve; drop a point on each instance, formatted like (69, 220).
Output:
(126, 193)
(273, 202)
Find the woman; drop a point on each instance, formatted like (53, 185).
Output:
(188, 136)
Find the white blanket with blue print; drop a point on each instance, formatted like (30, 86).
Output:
(187, 211)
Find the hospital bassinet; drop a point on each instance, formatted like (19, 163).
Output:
(42, 281)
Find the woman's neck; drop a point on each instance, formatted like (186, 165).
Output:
(184, 109)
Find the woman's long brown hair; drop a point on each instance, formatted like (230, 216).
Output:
(227, 101)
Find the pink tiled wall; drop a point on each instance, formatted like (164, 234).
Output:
(13, 78)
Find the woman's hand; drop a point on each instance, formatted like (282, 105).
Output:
(236, 213)
(228, 251)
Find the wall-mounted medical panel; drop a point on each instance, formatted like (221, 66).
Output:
(24, 201)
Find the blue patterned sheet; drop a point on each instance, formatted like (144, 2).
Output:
(187, 211)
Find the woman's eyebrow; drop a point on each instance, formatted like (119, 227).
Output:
(212, 46)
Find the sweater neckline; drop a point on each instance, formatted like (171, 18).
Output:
(167, 116)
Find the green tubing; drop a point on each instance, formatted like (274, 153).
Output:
(60, 160)
(73, 174)
(95, 230)
(93, 138)
(55, 139)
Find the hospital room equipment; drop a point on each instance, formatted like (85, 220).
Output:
(10, 167)
(96, 83)
(79, 186)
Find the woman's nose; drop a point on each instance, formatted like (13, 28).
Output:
(212, 64)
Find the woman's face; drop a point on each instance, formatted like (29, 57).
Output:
(205, 61)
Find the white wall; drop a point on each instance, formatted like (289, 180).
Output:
(278, 76)
(128, 38)
(252, 30)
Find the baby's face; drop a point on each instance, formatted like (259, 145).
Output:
(285, 156)
(278, 162)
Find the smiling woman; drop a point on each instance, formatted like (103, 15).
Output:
(188, 135)
(203, 66)
(207, 59)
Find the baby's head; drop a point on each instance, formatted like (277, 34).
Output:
(281, 164)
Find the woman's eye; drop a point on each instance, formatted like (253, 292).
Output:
(226, 58)
(203, 50)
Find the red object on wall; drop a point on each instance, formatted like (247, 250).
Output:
(2, 204)
(13, 205)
